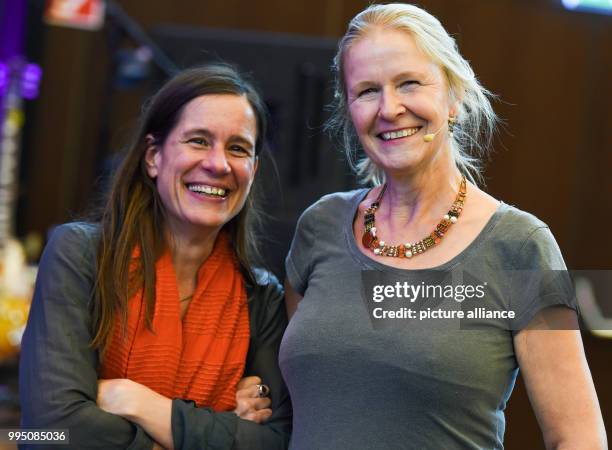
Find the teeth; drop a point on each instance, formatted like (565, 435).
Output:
(399, 134)
(210, 190)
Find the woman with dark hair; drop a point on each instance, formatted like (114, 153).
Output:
(144, 324)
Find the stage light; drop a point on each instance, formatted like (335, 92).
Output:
(595, 6)
(4, 78)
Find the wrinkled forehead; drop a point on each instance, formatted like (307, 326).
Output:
(379, 36)
(387, 51)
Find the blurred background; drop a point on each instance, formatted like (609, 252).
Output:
(74, 74)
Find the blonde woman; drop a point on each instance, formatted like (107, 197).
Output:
(413, 104)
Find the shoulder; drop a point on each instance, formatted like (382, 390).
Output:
(75, 232)
(324, 218)
(67, 267)
(511, 223)
(75, 238)
(333, 206)
(521, 227)
(532, 242)
(338, 200)
(519, 222)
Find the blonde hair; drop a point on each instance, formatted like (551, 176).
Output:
(476, 119)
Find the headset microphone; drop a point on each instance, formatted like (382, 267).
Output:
(430, 137)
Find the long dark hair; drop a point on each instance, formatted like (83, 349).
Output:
(134, 216)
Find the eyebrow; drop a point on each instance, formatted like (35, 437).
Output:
(400, 76)
(409, 74)
(207, 133)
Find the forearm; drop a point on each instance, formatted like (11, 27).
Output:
(579, 424)
(568, 411)
(155, 417)
(587, 434)
(89, 427)
(201, 428)
(581, 443)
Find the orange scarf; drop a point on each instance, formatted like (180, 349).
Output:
(200, 358)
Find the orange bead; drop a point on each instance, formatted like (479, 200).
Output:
(367, 239)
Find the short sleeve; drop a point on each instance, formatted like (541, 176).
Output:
(540, 251)
(540, 281)
(298, 264)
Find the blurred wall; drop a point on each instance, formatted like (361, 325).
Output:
(551, 68)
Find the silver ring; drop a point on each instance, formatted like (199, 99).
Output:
(262, 390)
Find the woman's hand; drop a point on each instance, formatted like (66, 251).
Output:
(139, 404)
(152, 411)
(249, 405)
(121, 396)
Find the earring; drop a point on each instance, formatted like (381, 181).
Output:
(452, 121)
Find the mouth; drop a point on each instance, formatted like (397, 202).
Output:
(398, 134)
(206, 190)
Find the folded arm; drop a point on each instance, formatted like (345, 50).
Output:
(57, 376)
(153, 411)
(256, 423)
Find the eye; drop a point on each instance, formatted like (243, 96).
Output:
(239, 150)
(409, 84)
(366, 92)
(197, 141)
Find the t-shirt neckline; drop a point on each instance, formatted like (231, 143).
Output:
(370, 263)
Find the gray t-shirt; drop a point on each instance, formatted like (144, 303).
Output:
(357, 386)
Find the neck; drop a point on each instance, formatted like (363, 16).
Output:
(189, 251)
(422, 194)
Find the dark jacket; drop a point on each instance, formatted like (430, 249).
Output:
(58, 377)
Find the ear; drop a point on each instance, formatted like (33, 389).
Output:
(256, 165)
(455, 105)
(151, 155)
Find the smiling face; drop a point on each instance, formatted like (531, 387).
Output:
(397, 95)
(205, 167)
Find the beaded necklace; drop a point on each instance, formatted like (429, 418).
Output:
(408, 250)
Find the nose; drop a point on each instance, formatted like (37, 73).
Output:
(215, 161)
(391, 105)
